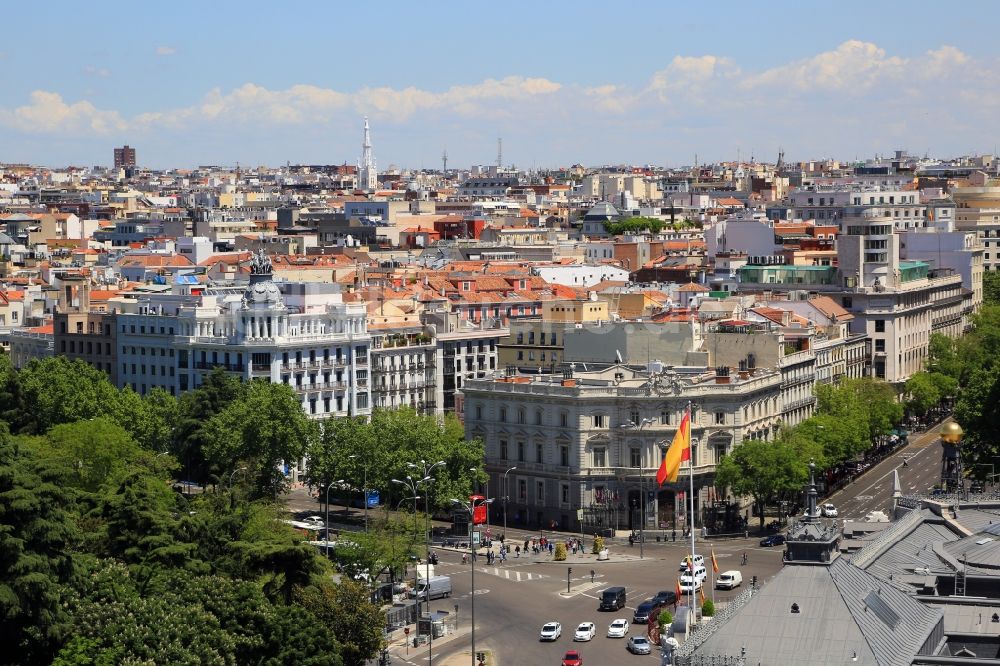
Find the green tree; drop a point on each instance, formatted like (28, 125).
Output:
(346, 608)
(343, 450)
(37, 536)
(991, 288)
(763, 470)
(922, 392)
(96, 451)
(58, 390)
(943, 356)
(978, 411)
(195, 411)
(261, 429)
(633, 225)
(193, 620)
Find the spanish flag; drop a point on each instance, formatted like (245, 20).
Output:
(677, 588)
(701, 591)
(679, 451)
(715, 565)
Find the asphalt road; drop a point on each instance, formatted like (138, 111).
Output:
(873, 490)
(515, 600)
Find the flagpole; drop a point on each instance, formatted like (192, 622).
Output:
(691, 493)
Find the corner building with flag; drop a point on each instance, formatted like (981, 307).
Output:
(587, 444)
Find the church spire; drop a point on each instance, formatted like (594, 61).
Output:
(367, 173)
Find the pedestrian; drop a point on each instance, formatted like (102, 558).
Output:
(551, 547)
(517, 551)
(631, 540)
(744, 558)
(673, 535)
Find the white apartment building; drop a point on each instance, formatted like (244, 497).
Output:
(579, 464)
(298, 334)
(827, 204)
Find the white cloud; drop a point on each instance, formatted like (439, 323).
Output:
(854, 67)
(165, 50)
(48, 113)
(856, 92)
(690, 77)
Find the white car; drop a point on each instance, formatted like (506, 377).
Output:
(829, 511)
(700, 574)
(585, 632)
(550, 631)
(618, 628)
(699, 561)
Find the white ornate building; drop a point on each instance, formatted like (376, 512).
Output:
(300, 334)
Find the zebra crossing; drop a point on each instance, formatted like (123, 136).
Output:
(511, 573)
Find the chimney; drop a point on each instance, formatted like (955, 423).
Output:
(722, 374)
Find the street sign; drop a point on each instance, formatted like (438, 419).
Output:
(372, 498)
(475, 538)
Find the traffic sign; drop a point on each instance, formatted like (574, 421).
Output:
(475, 538)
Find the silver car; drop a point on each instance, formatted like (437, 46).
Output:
(639, 645)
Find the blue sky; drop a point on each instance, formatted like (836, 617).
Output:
(191, 83)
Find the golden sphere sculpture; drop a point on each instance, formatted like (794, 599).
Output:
(951, 433)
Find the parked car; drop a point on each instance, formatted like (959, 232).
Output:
(550, 631)
(699, 561)
(665, 597)
(829, 511)
(585, 632)
(639, 645)
(572, 658)
(618, 628)
(773, 540)
(728, 580)
(644, 610)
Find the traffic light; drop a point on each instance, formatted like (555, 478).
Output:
(570, 570)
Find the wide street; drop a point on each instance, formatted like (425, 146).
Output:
(873, 490)
(514, 600)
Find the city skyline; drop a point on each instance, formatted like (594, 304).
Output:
(650, 84)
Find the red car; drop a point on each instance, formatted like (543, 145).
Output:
(572, 658)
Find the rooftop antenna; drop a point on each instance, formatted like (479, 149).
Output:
(499, 153)
(444, 161)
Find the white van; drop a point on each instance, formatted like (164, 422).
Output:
(728, 580)
(687, 585)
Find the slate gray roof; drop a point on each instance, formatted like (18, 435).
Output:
(602, 210)
(914, 550)
(980, 551)
(834, 622)
(892, 643)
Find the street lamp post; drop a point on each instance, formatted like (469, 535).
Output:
(412, 484)
(234, 473)
(427, 469)
(505, 496)
(326, 523)
(631, 425)
(470, 508)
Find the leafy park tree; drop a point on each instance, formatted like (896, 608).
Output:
(978, 411)
(96, 452)
(58, 390)
(922, 393)
(262, 428)
(37, 564)
(763, 470)
(195, 410)
(193, 620)
(346, 608)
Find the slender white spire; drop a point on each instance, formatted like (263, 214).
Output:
(367, 173)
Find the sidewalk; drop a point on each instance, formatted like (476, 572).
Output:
(579, 558)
